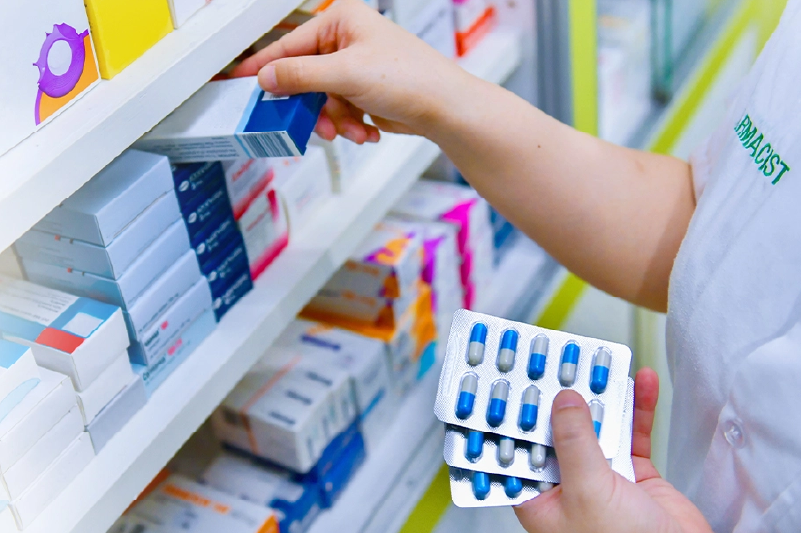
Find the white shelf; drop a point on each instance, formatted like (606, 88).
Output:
(136, 454)
(53, 163)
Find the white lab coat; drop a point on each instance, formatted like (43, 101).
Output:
(734, 320)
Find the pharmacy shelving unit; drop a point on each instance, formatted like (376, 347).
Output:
(175, 411)
(47, 167)
(388, 486)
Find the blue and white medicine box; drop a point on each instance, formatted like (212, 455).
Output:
(236, 289)
(122, 292)
(177, 352)
(111, 261)
(235, 118)
(19, 374)
(215, 240)
(76, 336)
(99, 211)
(211, 204)
(192, 179)
(229, 267)
(161, 334)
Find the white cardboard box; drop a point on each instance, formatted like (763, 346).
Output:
(105, 388)
(75, 336)
(200, 509)
(24, 472)
(99, 211)
(117, 413)
(53, 481)
(303, 184)
(19, 374)
(7, 522)
(41, 409)
(54, 36)
(181, 10)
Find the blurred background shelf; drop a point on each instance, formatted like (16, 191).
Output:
(175, 411)
(50, 165)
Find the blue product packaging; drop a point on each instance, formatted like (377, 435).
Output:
(211, 203)
(229, 266)
(238, 287)
(337, 465)
(177, 352)
(234, 118)
(111, 261)
(123, 292)
(216, 237)
(100, 210)
(192, 178)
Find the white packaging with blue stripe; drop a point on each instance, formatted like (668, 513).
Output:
(498, 383)
(234, 118)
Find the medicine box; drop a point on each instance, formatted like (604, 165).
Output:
(387, 263)
(23, 474)
(181, 10)
(160, 295)
(229, 267)
(297, 504)
(105, 388)
(376, 310)
(19, 374)
(201, 509)
(38, 412)
(473, 20)
(117, 413)
(279, 414)
(123, 31)
(7, 521)
(217, 238)
(161, 334)
(176, 352)
(363, 358)
(47, 61)
(190, 179)
(303, 185)
(111, 261)
(235, 118)
(231, 293)
(100, 210)
(122, 292)
(345, 159)
(337, 465)
(76, 336)
(53, 481)
(245, 178)
(207, 205)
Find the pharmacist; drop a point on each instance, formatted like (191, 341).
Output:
(717, 243)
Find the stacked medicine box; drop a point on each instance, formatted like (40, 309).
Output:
(307, 410)
(378, 293)
(63, 372)
(120, 240)
(213, 232)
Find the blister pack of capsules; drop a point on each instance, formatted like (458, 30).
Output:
(488, 482)
(498, 383)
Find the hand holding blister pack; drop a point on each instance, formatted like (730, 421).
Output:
(498, 383)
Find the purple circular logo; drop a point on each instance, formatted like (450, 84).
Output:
(56, 86)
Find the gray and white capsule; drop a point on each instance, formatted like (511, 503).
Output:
(507, 351)
(569, 364)
(506, 451)
(537, 456)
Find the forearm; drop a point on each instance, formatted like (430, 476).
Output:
(612, 215)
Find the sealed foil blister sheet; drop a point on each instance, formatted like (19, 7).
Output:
(488, 380)
(499, 488)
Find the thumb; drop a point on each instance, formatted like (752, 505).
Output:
(305, 74)
(582, 465)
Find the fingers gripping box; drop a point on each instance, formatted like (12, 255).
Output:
(78, 337)
(47, 60)
(235, 118)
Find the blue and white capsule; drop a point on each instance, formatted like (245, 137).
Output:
(568, 366)
(481, 485)
(537, 457)
(597, 413)
(601, 364)
(467, 396)
(506, 451)
(529, 408)
(475, 446)
(475, 349)
(539, 354)
(497, 405)
(507, 351)
(512, 486)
